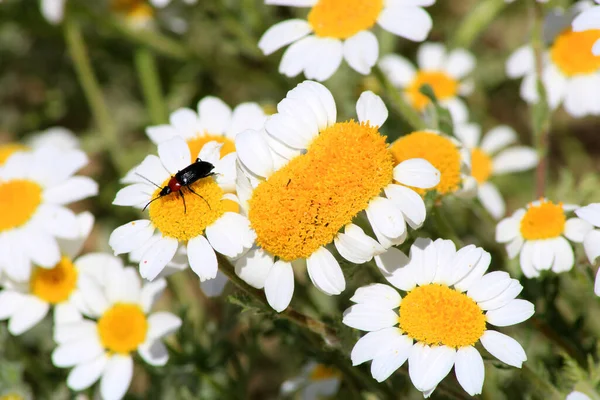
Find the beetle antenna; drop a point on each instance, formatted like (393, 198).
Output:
(147, 204)
(143, 177)
(207, 203)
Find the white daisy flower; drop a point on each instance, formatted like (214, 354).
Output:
(202, 216)
(25, 304)
(53, 10)
(539, 233)
(575, 395)
(448, 303)
(315, 382)
(59, 138)
(340, 29)
(306, 177)
(489, 157)
(589, 20)
(568, 79)
(591, 240)
(445, 71)
(102, 350)
(164, 3)
(35, 187)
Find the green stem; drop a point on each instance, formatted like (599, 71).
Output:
(406, 111)
(551, 392)
(475, 22)
(150, 82)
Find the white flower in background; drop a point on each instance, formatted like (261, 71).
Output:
(591, 240)
(306, 177)
(489, 157)
(35, 187)
(445, 71)
(164, 3)
(539, 233)
(315, 382)
(53, 10)
(340, 29)
(448, 303)
(589, 20)
(57, 137)
(202, 217)
(26, 303)
(102, 349)
(575, 395)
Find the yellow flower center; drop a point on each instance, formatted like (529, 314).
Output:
(322, 372)
(12, 396)
(7, 150)
(137, 11)
(544, 221)
(342, 19)
(481, 165)
(302, 206)
(196, 144)
(122, 328)
(172, 219)
(19, 199)
(437, 315)
(54, 285)
(444, 87)
(572, 52)
(438, 150)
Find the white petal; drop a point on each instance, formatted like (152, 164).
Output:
(514, 247)
(57, 220)
(576, 229)
(123, 286)
(587, 20)
(460, 63)
(325, 59)
(253, 151)
(292, 3)
(516, 311)
(161, 324)
(94, 297)
(313, 100)
(515, 159)
(464, 261)
(399, 70)
(427, 366)
(210, 152)
(412, 23)
(591, 244)
(214, 115)
(65, 313)
(53, 10)
(431, 56)
(370, 108)
(246, 116)
(355, 246)
(508, 229)
(73, 189)
(423, 260)
(474, 276)
(203, 259)
(393, 264)
(498, 138)
(490, 286)
(299, 115)
(154, 353)
(214, 287)
(386, 217)
(391, 357)
(156, 257)
(504, 348)
(297, 56)
(417, 172)
(231, 234)
(174, 154)
(185, 122)
(492, 200)
(32, 311)
(377, 295)
(526, 261)
(590, 213)
(282, 34)
(86, 374)
(367, 317)
(503, 298)
(279, 285)
(521, 62)
(42, 249)
(409, 202)
(116, 377)
(72, 247)
(469, 134)
(469, 369)
(77, 352)
(287, 130)
(254, 266)
(325, 272)
(458, 110)
(361, 52)
(130, 236)
(136, 195)
(564, 259)
(161, 133)
(151, 291)
(372, 343)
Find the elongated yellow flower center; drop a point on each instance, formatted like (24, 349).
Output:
(56, 284)
(443, 85)
(169, 215)
(19, 199)
(438, 150)
(122, 328)
(302, 206)
(572, 52)
(544, 221)
(197, 143)
(481, 165)
(322, 372)
(437, 315)
(7, 150)
(342, 19)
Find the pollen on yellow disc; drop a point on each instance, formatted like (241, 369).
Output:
(342, 19)
(19, 199)
(122, 328)
(544, 221)
(438, 150)
(322, 372)
(481, 165)
(195, 144)
(56, 284)
(443, 85)
(438, 315)
(303, 205)
(172, 219)
(572, 52)
(7, 150)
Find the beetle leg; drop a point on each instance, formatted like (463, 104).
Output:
(183, 198)
(207, 203)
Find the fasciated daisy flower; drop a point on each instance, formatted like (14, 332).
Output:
(101, 349)
(306, 177)
(445, 153)
(539, 234)
(589, 20)
(591, 240)
(489, 157)
(59, 138)
(449, 302)
(315, 382)
(445, 71)
(340, 29)
(35, 187)
(208, 220)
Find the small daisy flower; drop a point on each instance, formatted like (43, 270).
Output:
(102, 349)
(539, 234)
(448, 303)
(340, 29)
(445, 153)
(59, 138)
(589, 20)
(35, 187)
(53, 10)
(136, 13)
(489, 158)
(208, 220)
(306, 177)
(315, 382)
(445, 71)
(591, 240)
(25, 304)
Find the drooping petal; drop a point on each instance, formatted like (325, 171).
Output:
(469, 369)
(157, 257)
(279, 285)
(325, 272)
(202, 257)
(254, 267)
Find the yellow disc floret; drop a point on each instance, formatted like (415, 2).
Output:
(7, 150)
(302, 206)
(19, 199)
(438, 150)
(438, 315)
(544, 221)
(322, 372)
(56, 284)
(172, 219)
(443, 85)
(197, 143)
(572, 52)
(481, 165)
(122, 328)
(342, 19)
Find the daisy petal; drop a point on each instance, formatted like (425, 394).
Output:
(576, 229)
(253, 151)
(469, 370)
(32, 311)
(377, 294)
(130, 236)
(325, 272)
(202, 257)
(369, 345)
(325, 59)
(361, 52)
(157, 257)
(86, 374)
(591, 245)
(116, 377)
(460, 63)
(393, 265)
(282, 34)
(355, 246)
(151, 291)
(388, 360)
(254, 266)
(492, 200)
(367, 317)
(370, 108)
(590, 213)
(417, 172)
(409, 202)
(77, 352)
(412, 23)
(504, 348)
(154, 353)
(174, 154)
(279, 285)
(515, 159)
(516, 311)
(399, 70)
(384, 216)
